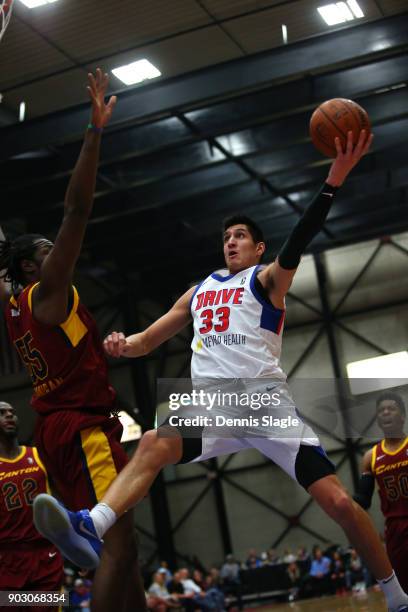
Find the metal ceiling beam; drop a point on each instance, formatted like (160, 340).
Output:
(354, 45)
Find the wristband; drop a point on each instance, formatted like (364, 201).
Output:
(95, 129)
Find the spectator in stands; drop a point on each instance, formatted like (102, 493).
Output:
(338, 574)
(356, 573)
(214, 592)
(302, 554)
(176, 590)
(288, 556)
(198, 578)
(68, 583)
(293, 573)
(80, 597)
(159, 591)
(193, 591)
(164, 568)
(231, 583)
(318, 580)
(272, 557)
(216, 576)
(230, 570)
(253, 561)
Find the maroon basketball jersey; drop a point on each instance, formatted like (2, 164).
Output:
(391, 473)
(21, 480)
(66, 362)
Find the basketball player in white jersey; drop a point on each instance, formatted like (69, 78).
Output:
(245, 308)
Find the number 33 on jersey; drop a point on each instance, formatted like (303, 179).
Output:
(237, 331)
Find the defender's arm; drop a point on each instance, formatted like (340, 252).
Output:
(50, 299)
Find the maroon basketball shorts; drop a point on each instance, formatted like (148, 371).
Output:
(82, 454)
(396, 538)
(31, 566)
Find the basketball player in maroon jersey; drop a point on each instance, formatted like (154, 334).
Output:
(387, 465)
(28, 562)
(57, 339)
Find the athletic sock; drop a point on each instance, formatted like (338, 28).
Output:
(393, 592)
(103, 518)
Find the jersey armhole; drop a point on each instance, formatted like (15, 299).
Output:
(195, 293)
(73, 327)
(40, 463)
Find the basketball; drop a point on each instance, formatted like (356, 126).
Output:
(334, 118)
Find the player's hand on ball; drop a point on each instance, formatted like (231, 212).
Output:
(348, 158)
(101, 112)
(116, 344)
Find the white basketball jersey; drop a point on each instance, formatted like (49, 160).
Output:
(237, 333)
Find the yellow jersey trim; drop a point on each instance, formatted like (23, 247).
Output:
(40, 463)
(373, 459)
(73, 327)
(392, 453)
(13, 301)
(20, 456)
(30, 296)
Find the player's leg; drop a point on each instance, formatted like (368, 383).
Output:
(333, 498)
(77, 534)
(310, 467)
(117, 584)
(84, 462)
(102, 459)
(154, 451)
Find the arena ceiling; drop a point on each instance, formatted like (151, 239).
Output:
(224, 129)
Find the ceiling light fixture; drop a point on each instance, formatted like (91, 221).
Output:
(377, 373)
(341, 12)
(136, 72)
(35, 3)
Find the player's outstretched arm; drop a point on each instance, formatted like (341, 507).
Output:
(170, 324)
(278, 276)
(365, 490)
(50, 299)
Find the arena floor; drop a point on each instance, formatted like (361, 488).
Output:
(372, 602)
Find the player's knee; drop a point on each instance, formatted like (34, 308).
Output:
(342, 507)
(159, 449)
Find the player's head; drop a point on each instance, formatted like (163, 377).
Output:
(244, 243)
(391, 413)
(8, 421)
(22, 258)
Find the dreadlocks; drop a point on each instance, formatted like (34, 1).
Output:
(12, 252)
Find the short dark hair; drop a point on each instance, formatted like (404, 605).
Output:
(395, 397)
(253, 228)
(12, 252)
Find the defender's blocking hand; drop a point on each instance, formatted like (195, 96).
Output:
(101, 112)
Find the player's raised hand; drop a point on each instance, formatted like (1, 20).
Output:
(101, 112)
(348, 158)
(116, 344)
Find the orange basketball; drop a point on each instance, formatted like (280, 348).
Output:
(334, 118)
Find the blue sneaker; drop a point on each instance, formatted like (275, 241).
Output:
(72, 532)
